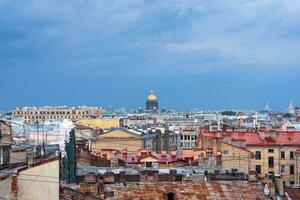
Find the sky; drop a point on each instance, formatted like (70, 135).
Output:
(224, 54)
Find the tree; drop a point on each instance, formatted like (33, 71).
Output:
(69, 160)
(288, 115)
(228, 113)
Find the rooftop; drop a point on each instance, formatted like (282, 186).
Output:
(233, 190)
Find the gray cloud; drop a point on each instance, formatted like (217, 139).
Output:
(149, 36)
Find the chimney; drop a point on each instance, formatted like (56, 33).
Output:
(262, 135)
(273, 135)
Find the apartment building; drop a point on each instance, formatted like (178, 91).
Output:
(273, 152)
(34, 114)
(160, 141)
(188, 137)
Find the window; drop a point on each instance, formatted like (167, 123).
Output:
(257, 155)
(291, 155)
(193, 145)
(225, 152)
(271, 150)
(282, 169)
(187, 145)
(292, 182)
(282, 155)
(271, 162)
(258, 169)
(148, 164)
(292, 169)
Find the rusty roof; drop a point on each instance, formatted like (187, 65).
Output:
(213, 190)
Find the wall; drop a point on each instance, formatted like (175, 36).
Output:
(118, 139)
(39, 182)
(234, 157)
(263, 162)
(17, 156)
(131, 144)
(100, 123)
(5, 189)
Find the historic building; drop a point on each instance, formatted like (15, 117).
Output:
(272, 151)
(188, 137)
(34, 114)
(159, 141)
(100, 123)
(5, 142)
(118, 139)
(152, 103)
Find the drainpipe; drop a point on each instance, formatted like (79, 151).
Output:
(296, 170)
(1, 156)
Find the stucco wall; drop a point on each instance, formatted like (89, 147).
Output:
(235, 158)
(39, 182)
(278, 162)
(5, 189)
(131, 144)
(100, 123)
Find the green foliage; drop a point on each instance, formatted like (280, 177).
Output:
(288, 115)
(178, 177)
(228, 113)
(69, 161)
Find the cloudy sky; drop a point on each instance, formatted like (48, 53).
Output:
(192, 53)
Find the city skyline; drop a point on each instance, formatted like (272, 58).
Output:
(266, 106)
(74, 53)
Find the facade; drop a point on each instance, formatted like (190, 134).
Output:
(118, 139)
(5, 142)
(34, 114)
(138, 121)
(188, 138)
(39, 181)
(100, 123)
(297, 111)
(152, 103)
(159, 141)
(272, 152)
(33, 182)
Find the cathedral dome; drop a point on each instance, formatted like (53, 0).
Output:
(151, 97)
(151, 103)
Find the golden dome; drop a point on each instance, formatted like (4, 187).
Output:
(151, 97)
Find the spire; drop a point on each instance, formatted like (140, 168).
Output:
(267, 108)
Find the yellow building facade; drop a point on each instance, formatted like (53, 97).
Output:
(234, 157)
(278, 160)
(118, 139)
(104, 123)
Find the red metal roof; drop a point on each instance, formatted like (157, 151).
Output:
(253, 139)
(135, 157)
